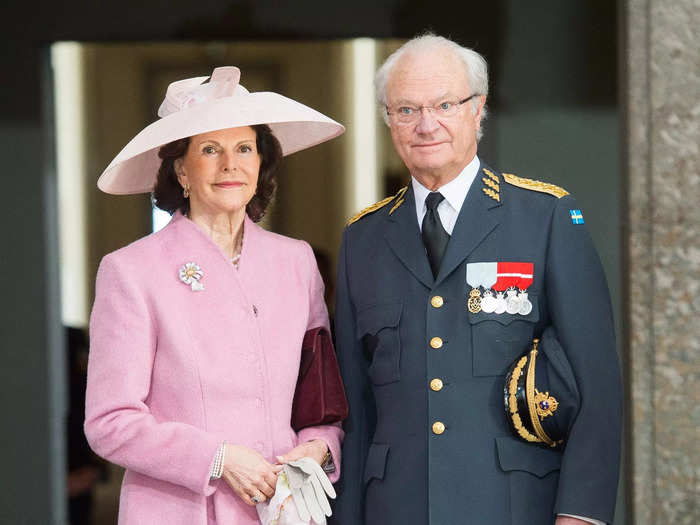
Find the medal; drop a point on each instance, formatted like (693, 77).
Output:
(500, 303)
(474, 302)
(527, 271)
(506, 279)
(513, 302)
(505, 287)
(478, 275)
(525, 304)
(511, 277)
(488, 302)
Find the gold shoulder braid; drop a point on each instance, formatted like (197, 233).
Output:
(535, 185)
(399, 199)
(377, 205)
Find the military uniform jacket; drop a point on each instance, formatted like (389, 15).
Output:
(398, 328)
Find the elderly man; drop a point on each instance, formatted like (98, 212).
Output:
(440, 288)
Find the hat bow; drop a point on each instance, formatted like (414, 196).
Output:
(194, 91)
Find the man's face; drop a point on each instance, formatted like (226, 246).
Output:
(435, 149)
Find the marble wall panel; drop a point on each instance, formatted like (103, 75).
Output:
(663, 251)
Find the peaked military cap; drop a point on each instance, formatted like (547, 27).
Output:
(540, 393)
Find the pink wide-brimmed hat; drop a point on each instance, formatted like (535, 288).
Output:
(192, 107)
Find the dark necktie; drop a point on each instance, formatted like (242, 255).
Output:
(435, 237)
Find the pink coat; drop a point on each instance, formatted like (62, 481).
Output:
(175, 372)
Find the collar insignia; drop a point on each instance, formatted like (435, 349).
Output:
(491, 185)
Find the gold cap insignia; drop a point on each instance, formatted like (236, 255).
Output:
(545, 404)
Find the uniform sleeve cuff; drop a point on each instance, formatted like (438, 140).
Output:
(589, 520)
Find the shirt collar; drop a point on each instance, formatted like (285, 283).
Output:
(454, 191)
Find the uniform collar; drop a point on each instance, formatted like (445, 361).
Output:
(455, 191)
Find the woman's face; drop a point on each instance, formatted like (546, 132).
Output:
(221, 169)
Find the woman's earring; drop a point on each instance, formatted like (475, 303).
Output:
(186, 191)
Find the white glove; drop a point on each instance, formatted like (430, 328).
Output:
(309, 485)
(280, 510)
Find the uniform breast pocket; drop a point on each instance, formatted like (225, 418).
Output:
(378, 328)
(497, 339)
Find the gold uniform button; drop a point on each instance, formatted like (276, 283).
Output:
(436, 342)
(437, 301)
(436, 385)
(438, 427)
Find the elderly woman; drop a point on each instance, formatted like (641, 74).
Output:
(196, 330)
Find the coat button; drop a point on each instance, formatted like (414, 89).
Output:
(436, 385)
(437, 301)
(438, 427)
(436, 342)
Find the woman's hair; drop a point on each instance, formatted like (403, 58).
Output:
(167, 192)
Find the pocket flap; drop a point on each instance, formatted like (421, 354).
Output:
(518, 455)
(506, 318)
(373, 318)
(376, 461)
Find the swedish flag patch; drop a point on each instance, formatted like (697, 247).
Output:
(576, 216)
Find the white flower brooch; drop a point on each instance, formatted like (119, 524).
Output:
(191, 273)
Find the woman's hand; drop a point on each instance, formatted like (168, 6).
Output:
(315, 449)
(249, 475)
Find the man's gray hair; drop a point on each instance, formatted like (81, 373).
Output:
(474, 63)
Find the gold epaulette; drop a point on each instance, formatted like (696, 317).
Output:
(377, 205)
(535, 185)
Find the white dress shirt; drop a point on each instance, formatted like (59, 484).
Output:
(455, 192)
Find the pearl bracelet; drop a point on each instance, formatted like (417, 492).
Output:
(217, 469)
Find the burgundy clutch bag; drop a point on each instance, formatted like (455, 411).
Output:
(319, 398)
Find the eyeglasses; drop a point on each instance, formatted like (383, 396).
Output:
(444, 109)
